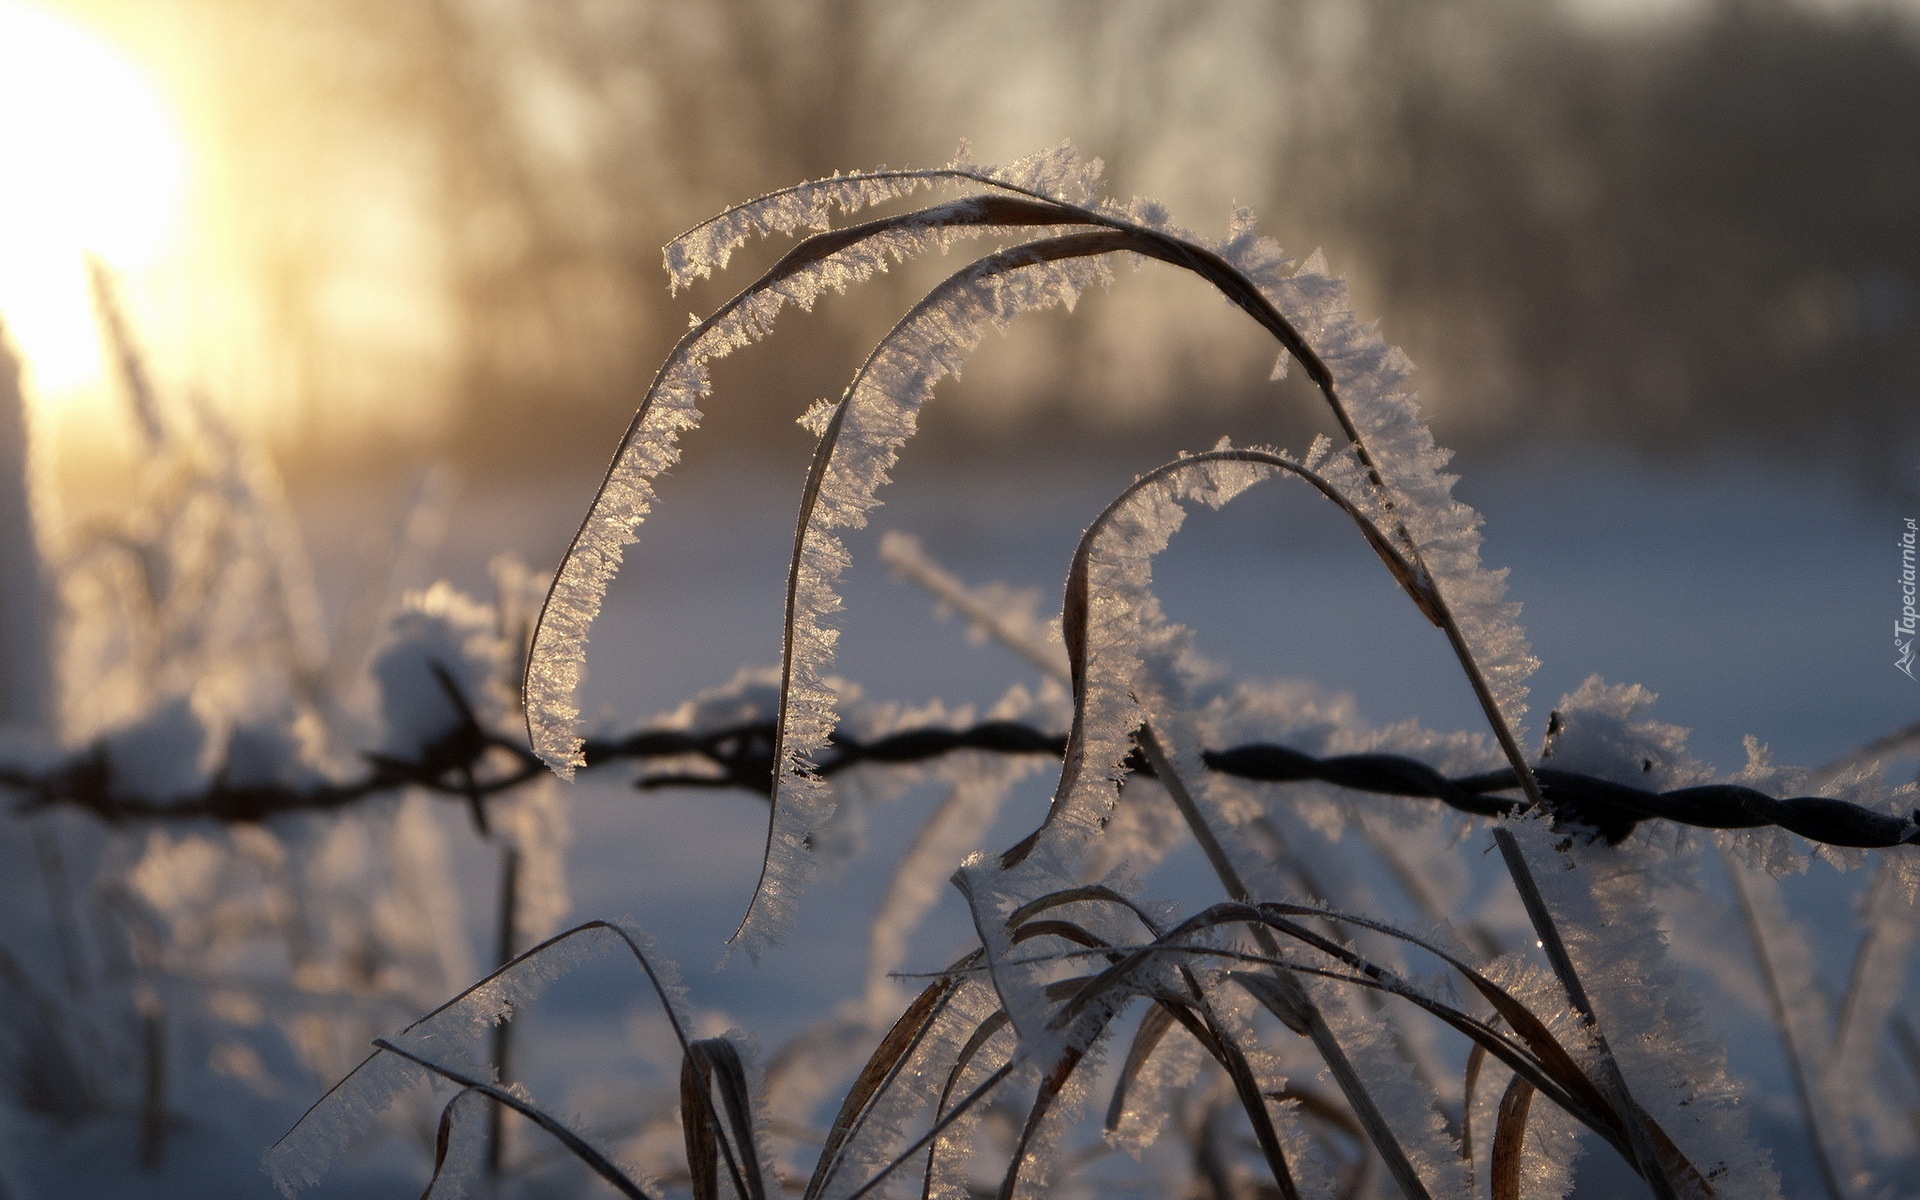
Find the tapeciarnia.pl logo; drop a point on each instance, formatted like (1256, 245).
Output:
(1903, 626)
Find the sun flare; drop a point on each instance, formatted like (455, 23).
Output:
(91, 163)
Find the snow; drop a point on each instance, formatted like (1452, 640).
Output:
(438, 632)
(684, 864)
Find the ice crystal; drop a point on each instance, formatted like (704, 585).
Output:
(1598, 897)
(671, 405)
(448, 1035)
(439, 639)
(857, 450)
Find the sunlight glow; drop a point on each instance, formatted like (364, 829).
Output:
(91, 163)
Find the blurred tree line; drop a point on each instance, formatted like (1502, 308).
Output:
(1690, 224)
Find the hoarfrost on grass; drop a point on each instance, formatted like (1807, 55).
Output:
(857, 449)
(1373, 381)
(1405, 1099)
(451, 1035)
(670, 406)
(1059, 173)
(1598, 896)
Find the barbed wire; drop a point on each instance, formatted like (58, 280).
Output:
(472, 763)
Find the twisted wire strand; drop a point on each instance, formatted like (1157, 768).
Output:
(472, 763)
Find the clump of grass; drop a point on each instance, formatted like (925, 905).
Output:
(1292, 1001)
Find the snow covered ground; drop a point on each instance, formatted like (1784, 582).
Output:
(1751, 607)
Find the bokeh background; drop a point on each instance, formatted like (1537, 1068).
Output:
(1668, 227)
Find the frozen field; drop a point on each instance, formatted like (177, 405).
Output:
(1749, 608)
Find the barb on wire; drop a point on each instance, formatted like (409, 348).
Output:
(470, 763)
